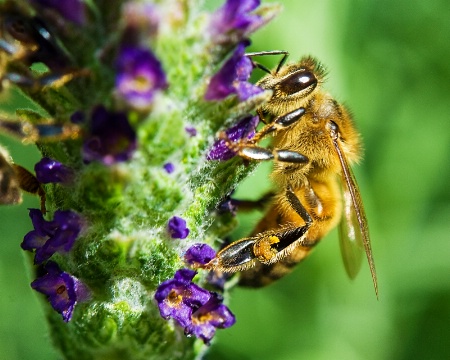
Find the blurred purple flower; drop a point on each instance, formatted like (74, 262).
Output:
(49, 237)
(211, 316)
(199, 254)
(177, 228)
(177, 298)
(233, 21)
(72, 10)
(232, 78)
(78, 117)
(52, 171)
(244, 129)
(63, 290)
(139, 76)
(192, 131)
(169, 167)
(111, 138)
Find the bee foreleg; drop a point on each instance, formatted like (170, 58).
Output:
(279, 123)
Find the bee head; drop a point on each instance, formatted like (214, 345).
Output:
(292, 85)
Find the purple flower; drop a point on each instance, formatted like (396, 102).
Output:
(139, 76)
(192, 131)
(63, 290)
(177, 228)
(52, 171)
(169, 167)
(234, 20)
(177, 298)
(49, 237)
(244, 129)
(111, 138)
(232, 78)
(72, 10)
(211, 316)
(199, 254)
(78, 117)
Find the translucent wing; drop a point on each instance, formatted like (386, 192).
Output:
(354, 218)
(9, 185)
(350, 241)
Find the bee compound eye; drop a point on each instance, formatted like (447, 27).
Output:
(298, 81)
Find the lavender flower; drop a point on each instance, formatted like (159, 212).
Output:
(234, 21)
(78, 117)
(139, 76)
(177, 228)
(72, 10)
(52, 171)
(199, 254)
(178, 297)
(63, 290)
(211, 316)
(169, 167)
(232, 78)
(111, 138)
(244, 129)
(192, 131)
(53, 236)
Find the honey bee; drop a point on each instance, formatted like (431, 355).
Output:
(314, 141)
(14, 178)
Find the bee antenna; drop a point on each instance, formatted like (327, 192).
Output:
(262, 67)
(273, 52)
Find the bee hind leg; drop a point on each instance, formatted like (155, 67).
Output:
(265, 248)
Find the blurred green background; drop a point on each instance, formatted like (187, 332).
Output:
(389, 62)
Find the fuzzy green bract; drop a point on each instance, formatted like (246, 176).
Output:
(125, 250)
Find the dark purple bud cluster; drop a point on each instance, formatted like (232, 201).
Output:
(177, 228)
(110, 138)
(52, 171)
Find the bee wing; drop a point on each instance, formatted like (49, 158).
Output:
(9, 186)
(355, 220)
(350, 240)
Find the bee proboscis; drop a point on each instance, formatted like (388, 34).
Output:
(314, 142)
